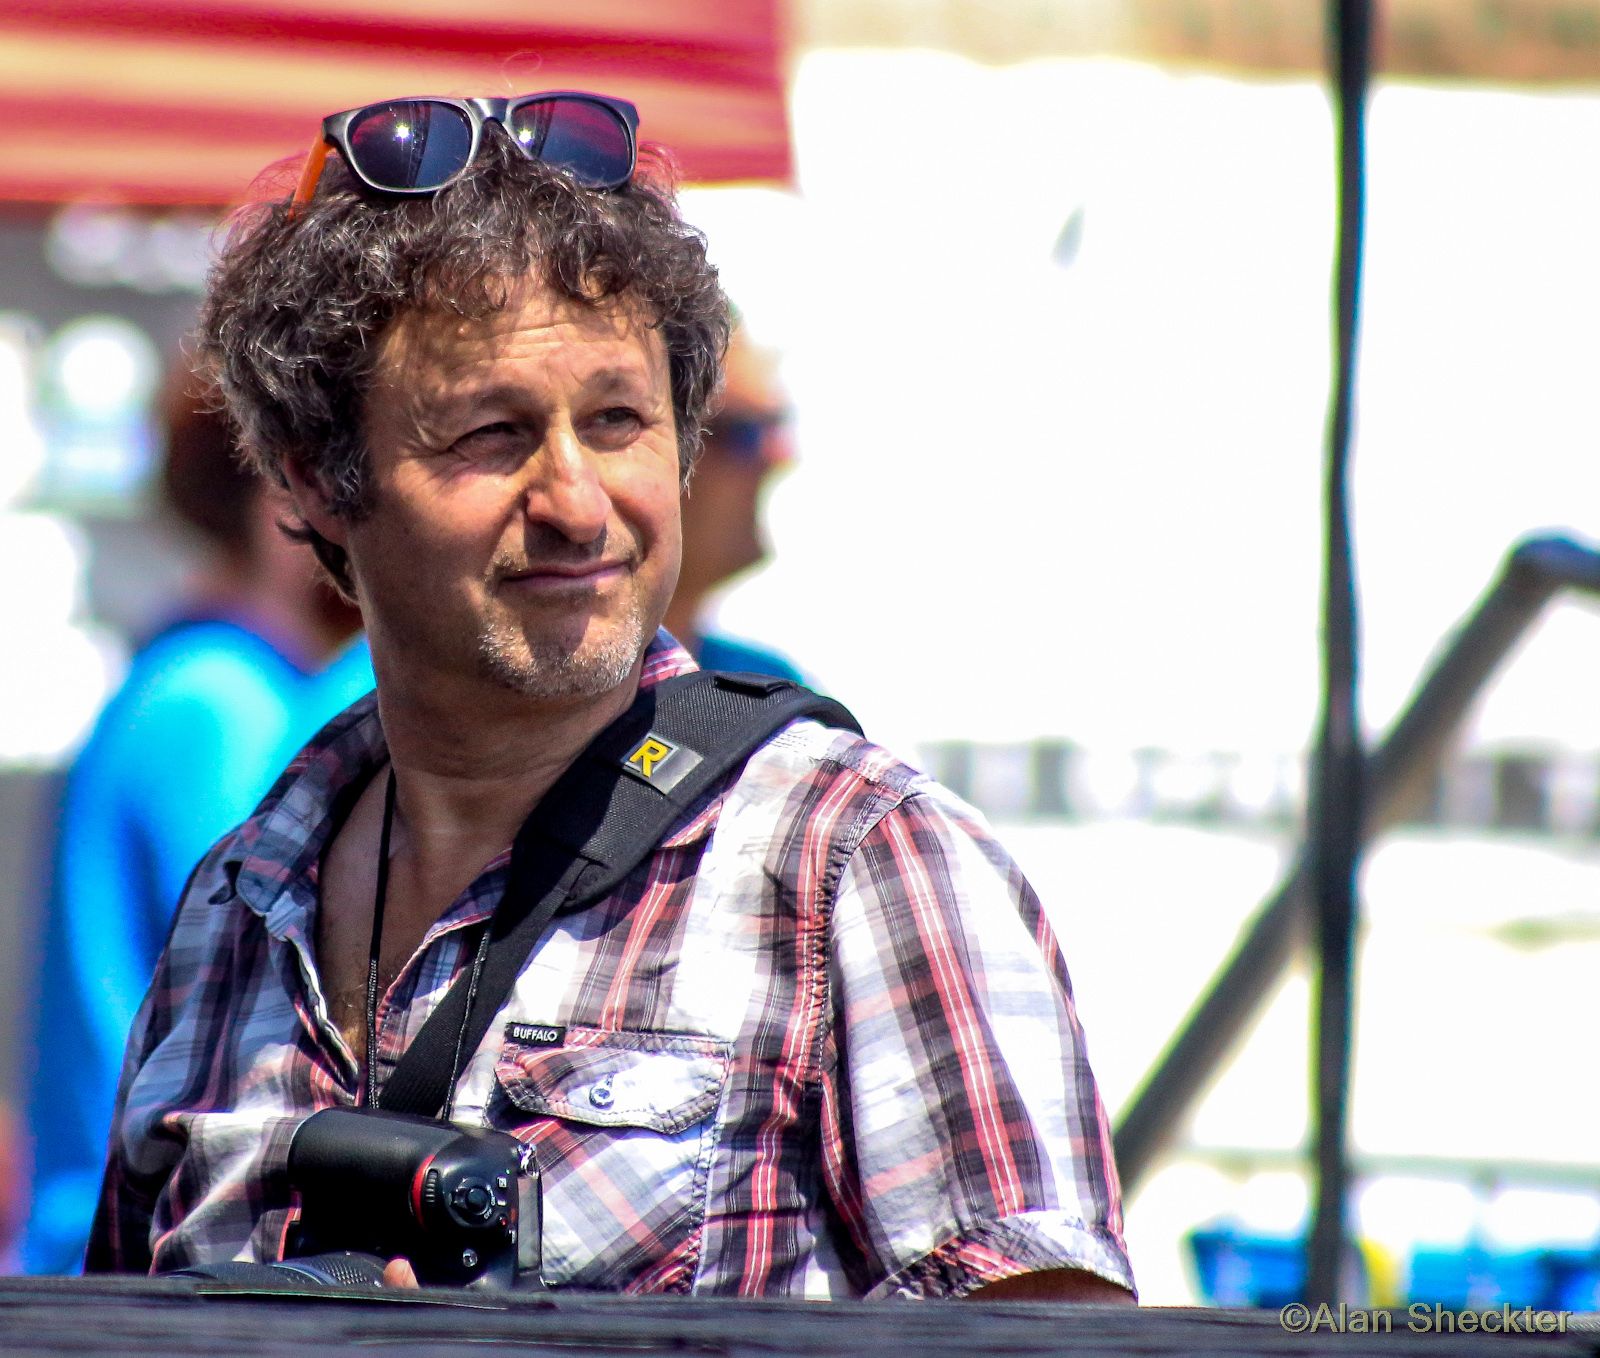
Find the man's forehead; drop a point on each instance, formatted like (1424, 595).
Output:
(533, 321)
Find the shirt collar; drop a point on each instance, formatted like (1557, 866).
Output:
(665, 658)
(271, 857)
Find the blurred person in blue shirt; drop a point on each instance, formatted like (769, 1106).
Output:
(213, 706)
(746, 441)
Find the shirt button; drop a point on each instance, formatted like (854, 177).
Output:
(600, 1096)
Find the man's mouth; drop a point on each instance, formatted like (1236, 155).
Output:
(557, 576)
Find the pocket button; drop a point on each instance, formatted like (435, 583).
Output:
(601, 1096)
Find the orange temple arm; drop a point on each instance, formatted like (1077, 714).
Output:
(312, 173)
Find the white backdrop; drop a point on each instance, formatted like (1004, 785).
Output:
(1083, 500)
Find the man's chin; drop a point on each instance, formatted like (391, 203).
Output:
(551, 673)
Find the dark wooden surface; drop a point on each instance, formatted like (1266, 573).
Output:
(131, 1317)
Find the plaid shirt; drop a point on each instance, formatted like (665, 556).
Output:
(821, 1043)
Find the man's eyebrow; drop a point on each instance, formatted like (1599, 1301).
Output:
(619, 375)
(462, 400)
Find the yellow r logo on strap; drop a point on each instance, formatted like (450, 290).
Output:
(649, 754)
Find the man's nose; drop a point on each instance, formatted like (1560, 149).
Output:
(565, 490)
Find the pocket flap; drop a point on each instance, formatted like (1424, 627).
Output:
(661, 1081)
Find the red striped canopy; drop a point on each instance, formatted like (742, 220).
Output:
(186, 101)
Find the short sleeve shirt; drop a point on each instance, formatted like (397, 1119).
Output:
(821, 1043)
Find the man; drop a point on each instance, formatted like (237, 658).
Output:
(211, 708)
(746, 442)
(821, 1043)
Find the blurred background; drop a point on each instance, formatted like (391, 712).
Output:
(1048, 288)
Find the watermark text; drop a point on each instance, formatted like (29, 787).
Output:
(1419, 1318)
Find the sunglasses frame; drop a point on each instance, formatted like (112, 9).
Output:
(479, 110)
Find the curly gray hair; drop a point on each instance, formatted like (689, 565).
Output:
(297, 302)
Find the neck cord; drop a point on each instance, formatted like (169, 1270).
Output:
(375, 950)
(377, 942)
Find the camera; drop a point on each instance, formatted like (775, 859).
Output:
(462, 1204)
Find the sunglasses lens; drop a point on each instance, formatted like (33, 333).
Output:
(587, 139)
(410, 144)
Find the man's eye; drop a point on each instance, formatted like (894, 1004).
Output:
(617, 423)
(486, 436)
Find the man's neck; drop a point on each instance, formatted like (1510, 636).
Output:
(468, 772)
(469, 763)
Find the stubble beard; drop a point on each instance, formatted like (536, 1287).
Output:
(549, 671)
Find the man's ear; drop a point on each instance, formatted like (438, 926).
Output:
(311, 502)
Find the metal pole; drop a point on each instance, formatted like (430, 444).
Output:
(1336, 791)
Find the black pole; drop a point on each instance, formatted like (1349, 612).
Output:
(1335, 803)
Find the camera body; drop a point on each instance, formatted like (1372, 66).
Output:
(462, 1204)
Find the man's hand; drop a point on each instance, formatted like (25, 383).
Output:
(399, 1273)
(1055, 1284)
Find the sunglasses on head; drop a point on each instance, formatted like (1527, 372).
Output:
(413, 146)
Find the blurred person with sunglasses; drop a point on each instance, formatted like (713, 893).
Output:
(747, 441)
(258, 656)
(821, 1042)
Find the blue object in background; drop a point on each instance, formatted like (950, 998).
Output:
(1572, 1280)
(715, 652)
(206, 719)
(1237, 1269)
(1475, 1277)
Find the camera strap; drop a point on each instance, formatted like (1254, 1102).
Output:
(599, 821)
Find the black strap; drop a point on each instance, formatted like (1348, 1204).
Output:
(601, 819)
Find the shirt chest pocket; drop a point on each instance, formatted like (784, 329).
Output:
(623, 1129)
